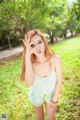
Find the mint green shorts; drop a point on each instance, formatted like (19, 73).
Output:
(38, 98)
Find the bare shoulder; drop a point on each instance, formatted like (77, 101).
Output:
(57, 59)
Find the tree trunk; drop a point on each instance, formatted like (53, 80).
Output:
(71, 33)
(56, 38)
(65, 36)
(51, 39)
(9, 43)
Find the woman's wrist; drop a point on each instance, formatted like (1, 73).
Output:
(27, 54)
(54, 101)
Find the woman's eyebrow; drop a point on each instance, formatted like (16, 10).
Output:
(39, 40)
(33, 42)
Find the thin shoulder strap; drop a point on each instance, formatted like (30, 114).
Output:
(50, 65)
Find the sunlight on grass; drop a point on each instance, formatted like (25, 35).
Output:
(13, 94)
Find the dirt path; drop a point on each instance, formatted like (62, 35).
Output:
(11, 53)
(14, 52)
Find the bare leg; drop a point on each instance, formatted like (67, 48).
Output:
(39, 112)
(50, 112)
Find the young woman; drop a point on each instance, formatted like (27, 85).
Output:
(42, 72)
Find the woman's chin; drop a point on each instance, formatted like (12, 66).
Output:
(40, 53)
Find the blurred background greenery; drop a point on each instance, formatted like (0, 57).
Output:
(58, 20)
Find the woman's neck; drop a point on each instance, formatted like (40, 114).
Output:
(42, 59)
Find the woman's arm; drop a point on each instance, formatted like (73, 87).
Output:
(58, 66)
(29, 73)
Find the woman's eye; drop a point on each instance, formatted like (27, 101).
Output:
(32, 45)
(39, 42)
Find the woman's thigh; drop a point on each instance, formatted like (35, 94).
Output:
(50, 111)
(39, 112)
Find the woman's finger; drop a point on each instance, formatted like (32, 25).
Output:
(28, 39)
(24, 42)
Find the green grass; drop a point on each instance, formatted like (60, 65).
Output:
(13, 95)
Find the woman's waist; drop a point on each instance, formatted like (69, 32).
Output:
(43, 86)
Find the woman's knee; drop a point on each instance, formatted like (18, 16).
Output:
(51, 116)
(39, 112)
(51, 112)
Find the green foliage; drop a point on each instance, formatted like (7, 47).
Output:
(54, 17)
(14, 95)
(56, 20)
(75, 15)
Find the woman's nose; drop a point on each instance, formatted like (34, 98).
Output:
(38, 47)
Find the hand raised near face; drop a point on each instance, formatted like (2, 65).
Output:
(30, 46)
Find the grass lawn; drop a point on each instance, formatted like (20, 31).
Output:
(13, 94)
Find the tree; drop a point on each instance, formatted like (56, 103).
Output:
(75, 14)
(20, 16)
(56, 20)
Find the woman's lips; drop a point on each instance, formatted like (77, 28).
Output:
(39, 52)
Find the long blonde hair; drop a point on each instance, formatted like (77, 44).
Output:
(48, 51)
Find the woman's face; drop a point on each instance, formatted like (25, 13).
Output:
(38, 45)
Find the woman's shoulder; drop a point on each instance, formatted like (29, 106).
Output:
(56, 58)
